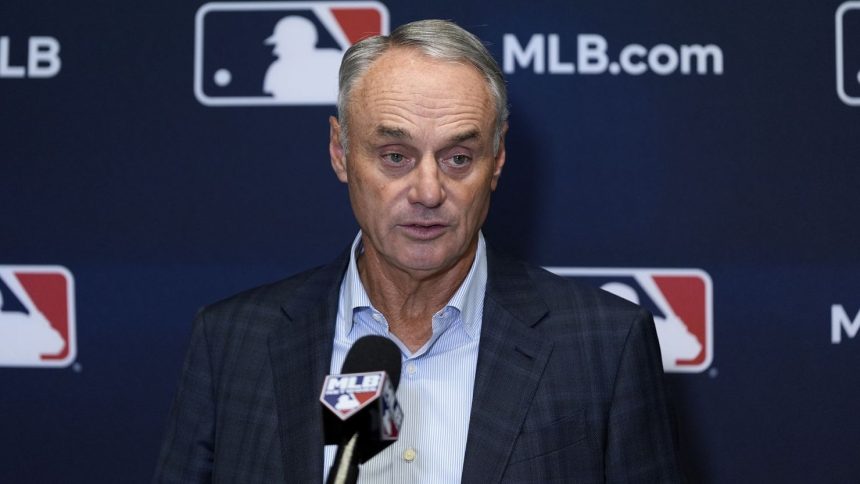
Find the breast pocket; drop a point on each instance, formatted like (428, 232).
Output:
(550, 438)
(558, 452)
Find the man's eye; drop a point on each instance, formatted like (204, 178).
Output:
(395, 158)
(460, 160)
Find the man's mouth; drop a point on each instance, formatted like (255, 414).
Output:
(424, 230)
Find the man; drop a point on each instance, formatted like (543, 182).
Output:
(511, 374)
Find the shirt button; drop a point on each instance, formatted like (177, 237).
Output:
(411, 369)
(409, 454)
(377, 316)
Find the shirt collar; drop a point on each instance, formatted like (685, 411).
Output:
(468, 299)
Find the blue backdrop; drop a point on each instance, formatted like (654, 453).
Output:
(735, 152)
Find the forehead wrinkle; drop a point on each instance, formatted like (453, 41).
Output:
(409, 106)
(424, 105)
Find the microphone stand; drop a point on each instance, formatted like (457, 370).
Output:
(345, 467)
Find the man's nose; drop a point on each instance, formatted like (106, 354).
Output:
(427, 187)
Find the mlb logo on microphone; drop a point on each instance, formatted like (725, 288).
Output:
(346, 394)
(681, 301)
(277, 53)
(37, 316)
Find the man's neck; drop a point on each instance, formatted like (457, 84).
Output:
(408, 300)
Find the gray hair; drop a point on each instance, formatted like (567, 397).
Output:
(438, 39)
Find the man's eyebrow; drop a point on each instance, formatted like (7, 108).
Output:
(392, 132)
(466, 136)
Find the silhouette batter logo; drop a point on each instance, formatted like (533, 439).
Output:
(277, 53)
(679, 299)
(37, 316)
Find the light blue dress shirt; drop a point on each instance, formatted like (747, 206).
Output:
(436, 381)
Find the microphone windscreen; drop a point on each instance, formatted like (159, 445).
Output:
(374, 353)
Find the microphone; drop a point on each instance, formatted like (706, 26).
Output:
(360, 409)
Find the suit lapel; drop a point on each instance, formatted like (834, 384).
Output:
(511, 360)
(300, 352)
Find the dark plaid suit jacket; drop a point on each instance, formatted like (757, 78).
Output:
(568, 388)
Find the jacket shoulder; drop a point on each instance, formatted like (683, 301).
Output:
(270, 295)
(562, 293)
(529, 285)
(256, 311)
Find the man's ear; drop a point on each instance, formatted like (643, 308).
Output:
(335, 150)
(499, 159)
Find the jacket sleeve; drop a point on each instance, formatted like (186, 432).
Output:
(187, 450)
(641, 444)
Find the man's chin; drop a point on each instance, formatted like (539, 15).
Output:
(423, 266)
(428, 262)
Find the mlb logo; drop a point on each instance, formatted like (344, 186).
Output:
(277, 53)
(346, 394)
(681, 301)
(37, 316)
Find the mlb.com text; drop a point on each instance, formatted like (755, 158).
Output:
(542, 54)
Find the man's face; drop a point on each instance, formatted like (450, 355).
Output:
(421, 166)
